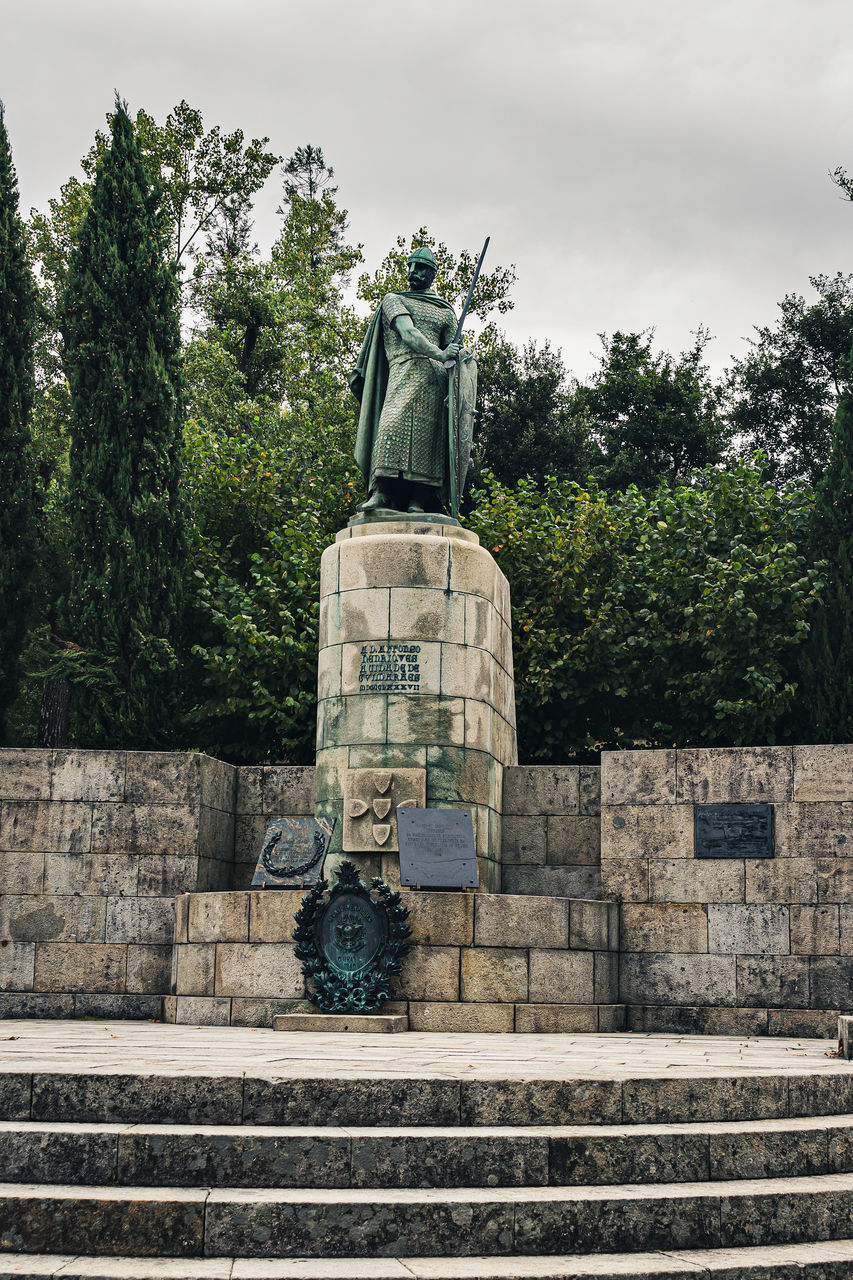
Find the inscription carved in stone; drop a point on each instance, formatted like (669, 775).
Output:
(390, 668)
(371, 800)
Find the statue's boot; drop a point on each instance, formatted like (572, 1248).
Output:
(423, 498)
(377, 498)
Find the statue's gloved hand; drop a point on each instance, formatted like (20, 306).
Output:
(451, 351)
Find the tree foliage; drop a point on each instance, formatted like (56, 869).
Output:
(17, 511)
(122, 611)
(666, 619)
(784, 392)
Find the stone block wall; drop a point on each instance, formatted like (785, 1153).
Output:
(265, 792)
(95, 846)
(744, 945)
(479, 962)
(551, 830)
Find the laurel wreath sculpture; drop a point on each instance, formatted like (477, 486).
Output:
(330, 989)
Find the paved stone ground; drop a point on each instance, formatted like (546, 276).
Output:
(167, 1049)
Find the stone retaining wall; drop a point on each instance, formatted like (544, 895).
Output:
(551, 830)
(95, 846)
(479, 962)
(743, 945)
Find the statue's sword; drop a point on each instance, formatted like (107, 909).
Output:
(450, 365)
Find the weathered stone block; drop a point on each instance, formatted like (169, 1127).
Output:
(541, 1102)
(472, 570)
(182, 917)
(430, 973)
(823, 772)
(466, 672)
(329, 682)
(550, 1019)
(493, 974)
(573, 841)
(458, 776)
(162, 777)
(819, 830)
(402, 561)
(590, 926)
(789, 880)
(481, 622)
(371, 799)
(426, 614)
(562, 977)
(357, 719)
(215, 834)
(674, 880)
(43, 826)
(144, 828)
(723, 775)
(589, 792)
(149, 969)
(84, 967)
(88, 873)
(249, 832)
(565, 882)
(271, 914)
(677, 979)
(140, 920)
(524, 840)
(218, 784)
(196, 969)
(355, 616)
(647, 831)
(509, 921)
(257, 969)
(52, 918)
(481, 728)
(773, 981)
(637, 777)
(794, 1024)
(541, 789)
(249, 789)
(88, 775)
(749, 929)
(162, 875)
(606, 990)
(441, 919)
(815, 930)
(834, 880)
(673, 927)
(625, 880)
(219, 917)
(426, 719)
(203, 1011)
(831, 983)
(25, 774)
(329, 566)
(17, 963)
(247, 1011)
(473, 1019)
(22, 872)
(845, 930)
(288, 790)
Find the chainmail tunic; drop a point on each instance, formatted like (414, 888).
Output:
(411, 440)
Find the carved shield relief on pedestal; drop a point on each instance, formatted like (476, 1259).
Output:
(371, 800)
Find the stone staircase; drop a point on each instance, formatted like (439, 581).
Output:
(742, 1177)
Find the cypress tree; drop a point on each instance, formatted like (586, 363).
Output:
(17, 524)
(127, 529)
(827, 667)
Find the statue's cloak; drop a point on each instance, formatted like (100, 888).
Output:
(369, 381)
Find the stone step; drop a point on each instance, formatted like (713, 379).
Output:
(393, 1223)
(831, 1260)
(567, 1155)
(200, 1099)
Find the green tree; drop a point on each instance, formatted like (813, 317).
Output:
(668, 619)
(655, 416)
(525, 423)
(827, 665)
(784, 392)
(126, 530)
(17, 514)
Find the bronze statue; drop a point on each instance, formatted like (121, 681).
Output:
(408, 430)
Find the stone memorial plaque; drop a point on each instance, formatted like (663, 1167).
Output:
(437, 848)
(293, 852)
(733, 830)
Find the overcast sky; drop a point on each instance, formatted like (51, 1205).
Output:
(642, 162)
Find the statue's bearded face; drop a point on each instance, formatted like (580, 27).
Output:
(421, 276)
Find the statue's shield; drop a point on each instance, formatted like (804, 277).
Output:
(464, 404)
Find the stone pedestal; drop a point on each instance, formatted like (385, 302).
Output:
(416, 701)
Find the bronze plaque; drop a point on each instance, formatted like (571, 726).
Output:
(293, 852)
(733, 830)
(437, 848)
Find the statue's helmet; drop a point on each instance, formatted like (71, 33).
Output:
(423, 255)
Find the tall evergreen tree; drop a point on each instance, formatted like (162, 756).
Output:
(126, 520)
(827, 663)
(17, 524)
